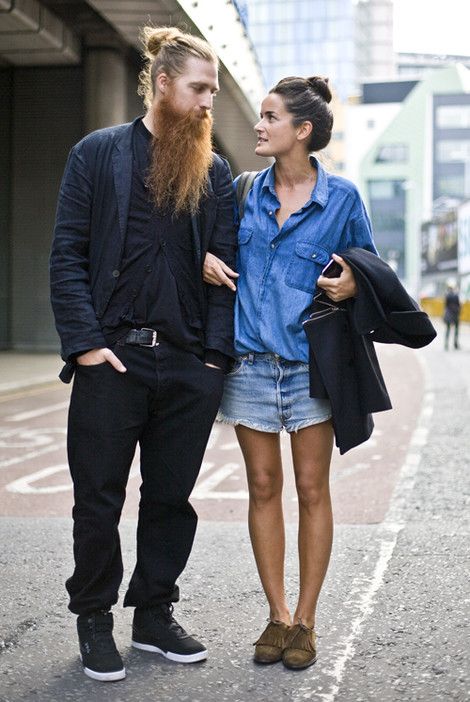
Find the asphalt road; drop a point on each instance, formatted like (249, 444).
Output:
(393, 620)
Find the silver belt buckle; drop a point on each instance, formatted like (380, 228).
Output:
(154, 338)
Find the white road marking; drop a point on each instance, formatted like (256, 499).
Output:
(29, 456)
(28, 438)
(205, 489)
(23, 416)
(24, 485)
(394, 522)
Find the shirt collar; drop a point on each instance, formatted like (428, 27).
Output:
(320, 191)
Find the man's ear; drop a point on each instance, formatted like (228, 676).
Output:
(304, 130)
(161, 83)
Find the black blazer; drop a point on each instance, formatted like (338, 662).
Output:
(89, 236)
(343, 363)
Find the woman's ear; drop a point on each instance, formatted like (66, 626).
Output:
(304, 130)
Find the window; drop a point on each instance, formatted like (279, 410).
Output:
(453, 150)
(384, 189)
(392, 153)
(453, 116)
(452, 186)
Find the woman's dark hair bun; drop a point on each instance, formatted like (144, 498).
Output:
(320, 86)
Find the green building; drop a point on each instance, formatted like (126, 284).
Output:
(419, 161)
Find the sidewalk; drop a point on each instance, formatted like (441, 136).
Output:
(20, 370)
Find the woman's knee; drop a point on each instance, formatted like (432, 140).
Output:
(264, 485)
(312, 493)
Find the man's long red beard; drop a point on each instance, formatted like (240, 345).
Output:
(181, 157)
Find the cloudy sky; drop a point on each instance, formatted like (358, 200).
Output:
(432, 26)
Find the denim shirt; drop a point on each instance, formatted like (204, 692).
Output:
(279, 267)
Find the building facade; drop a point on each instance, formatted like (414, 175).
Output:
(341, 39)
(417, 164)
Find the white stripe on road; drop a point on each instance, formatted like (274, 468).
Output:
(388, 535)
(205, 489)
(24, 485)
(32, 454)
(22, 416)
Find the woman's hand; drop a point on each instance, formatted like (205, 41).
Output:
(216, 272)
(339, 289)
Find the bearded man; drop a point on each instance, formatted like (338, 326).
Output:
(139, 206)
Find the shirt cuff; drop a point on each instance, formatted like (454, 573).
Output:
(217, 358)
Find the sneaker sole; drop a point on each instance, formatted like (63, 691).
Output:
(177, 657)
(105, 677)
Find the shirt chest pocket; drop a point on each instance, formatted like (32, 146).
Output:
(305, 265)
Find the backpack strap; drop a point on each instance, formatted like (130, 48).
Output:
(244, 185)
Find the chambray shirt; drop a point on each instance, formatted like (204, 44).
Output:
(279, 267)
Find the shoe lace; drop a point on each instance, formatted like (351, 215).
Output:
(102, 632)
(173, 624)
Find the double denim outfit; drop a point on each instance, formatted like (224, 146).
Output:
(278, 270)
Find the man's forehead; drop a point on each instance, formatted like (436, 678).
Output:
(202, 72)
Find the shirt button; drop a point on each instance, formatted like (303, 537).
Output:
(273, 246)
(270, 213)
(148, 269)
(314, 255)
(116, 274)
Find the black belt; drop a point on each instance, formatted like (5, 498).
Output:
(142, 337)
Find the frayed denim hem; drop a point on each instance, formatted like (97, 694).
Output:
(308, 423)
(245, 423)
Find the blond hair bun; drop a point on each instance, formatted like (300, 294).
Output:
(155, 38)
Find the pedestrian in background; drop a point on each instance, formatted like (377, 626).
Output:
(451, 315)
(146, 339)
(296, 216)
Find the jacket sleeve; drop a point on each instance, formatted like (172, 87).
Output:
(359, 229)
(223, 244)
(75, 318)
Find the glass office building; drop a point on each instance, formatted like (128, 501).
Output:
(305, 37)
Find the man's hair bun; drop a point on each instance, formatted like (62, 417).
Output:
(155, 38)
(320, 86)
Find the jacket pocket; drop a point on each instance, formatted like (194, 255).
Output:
(305, 265)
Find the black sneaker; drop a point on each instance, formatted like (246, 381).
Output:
(156, 630)
(100, 657)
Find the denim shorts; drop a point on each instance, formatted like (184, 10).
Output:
(265, 392)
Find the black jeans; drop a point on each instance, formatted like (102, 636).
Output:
(167, 402)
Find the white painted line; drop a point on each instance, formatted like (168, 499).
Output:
(22, 416)
(394, 522)
(24, 485)
(32, 454)
(205, 489)
(365, 606)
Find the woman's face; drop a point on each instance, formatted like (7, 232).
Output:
(276, 133)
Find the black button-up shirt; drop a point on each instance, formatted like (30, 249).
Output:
(146, 294)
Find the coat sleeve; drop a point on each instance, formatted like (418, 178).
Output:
(223, 244)
(75, 318)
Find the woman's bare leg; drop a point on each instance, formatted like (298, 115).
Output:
(311, 453)
(262, 454)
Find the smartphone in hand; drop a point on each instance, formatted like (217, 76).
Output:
(332, 269)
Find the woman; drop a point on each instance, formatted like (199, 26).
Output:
(296, 216)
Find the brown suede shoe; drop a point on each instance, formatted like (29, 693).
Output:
(270, 645)
(300, 651)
